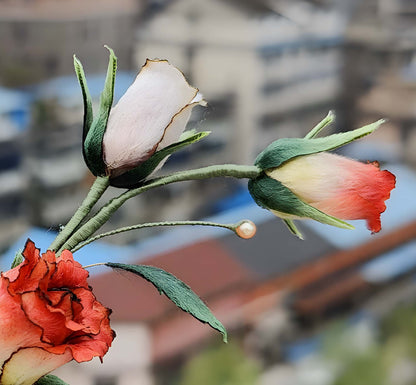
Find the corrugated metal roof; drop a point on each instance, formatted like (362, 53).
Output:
(205, 266)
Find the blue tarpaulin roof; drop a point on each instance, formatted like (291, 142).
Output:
(13, 100)
(67, 92)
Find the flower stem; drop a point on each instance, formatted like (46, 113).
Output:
(231, 226)
(96, 191)
(94, 264)
(226, 170)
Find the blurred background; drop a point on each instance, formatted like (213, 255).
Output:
(336, 309)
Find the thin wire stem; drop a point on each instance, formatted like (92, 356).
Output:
(102, 216)
(231, 227)
(95, 264)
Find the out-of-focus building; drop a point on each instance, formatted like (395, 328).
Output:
(380, 72)
(40, 36)
(267, 69)
(14, 119)
(265, 72)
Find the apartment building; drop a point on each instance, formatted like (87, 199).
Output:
(40, 36)
(379, 77)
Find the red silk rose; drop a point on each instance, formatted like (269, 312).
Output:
(48, 316)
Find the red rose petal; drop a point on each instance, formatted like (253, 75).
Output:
(52, 316)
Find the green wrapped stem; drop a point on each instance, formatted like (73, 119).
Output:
(97, 189)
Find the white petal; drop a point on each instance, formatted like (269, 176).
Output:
(175, 128)
(199, 99)
(137, 123)
(173, 132)
(29, 364)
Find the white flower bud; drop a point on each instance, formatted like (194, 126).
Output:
(151, 115)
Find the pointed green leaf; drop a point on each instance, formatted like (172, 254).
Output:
(273, 195)
(88, 113)
(135, 177)
(176, 290)
(50, 379)
(292, 228)
(321, 125)
(285, 149)
(93, 142)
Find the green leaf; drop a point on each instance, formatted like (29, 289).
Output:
(93, 143)
(176, 290)
(273, 195)
(88, 113)
(49, 379)
(321, 125)
(135, 177)
(285, 149)
(292, 228)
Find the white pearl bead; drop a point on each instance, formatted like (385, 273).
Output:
(246, 229)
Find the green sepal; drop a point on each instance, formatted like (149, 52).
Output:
(190, 133)
(292, 228)
(177, 291)
(273, 195)
(86, 96)
(282, 150)
(18, 259)
(135, 177)
(321, 125)
(50, 379)
(93, 142)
